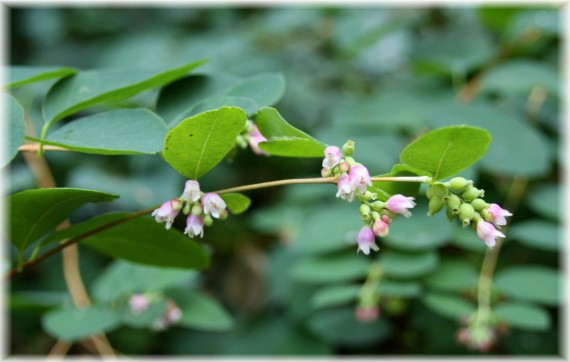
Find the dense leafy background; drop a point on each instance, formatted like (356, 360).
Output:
(284, 271)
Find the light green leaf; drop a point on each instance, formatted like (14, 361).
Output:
(284, 139)
(446, 151)
(532, 283)
(34, 213)
(520, 77)
(117, 132)
(16, 128)
(454, 276)
(199, 143)
(208, 104)
(326, 269)
(89, 88)
(237, 203)
(523, 316)
(399, 289)
(201, 311)
(20, 75)
(335, 295)
(121, 279)
(402, 265)
(545, 200)
(537, 234)
(448, 306)
(265, 89)
(76, 324)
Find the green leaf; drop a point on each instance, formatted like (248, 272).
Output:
(523, 316)
(399, 288)
(537, 234)
(89, 88)
(402, 265)
(284, 139)
(16, 128)
(265, 89)
(531, 283)
(76, 324)
(545, 200)
(201, 311)
(34, 213)
(142, 240)
(199, 143)
(335, 295)
(237, 203)
(447, 151)
(454, 276)
(117, 132)
(208, 104)
(326, 269)
(520, 77)
(122, 278)
(448, 306)
(20, 75)
(339, 326)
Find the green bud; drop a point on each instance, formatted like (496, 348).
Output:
(466, 214)
(449, 213)
(378, 205)
(344, 167)
(197, 209)
(364, 210)
(476, 218)
(336, 170)
(208, 221)
(326, 172)
(370, 196)
(435, 205)
(439, 190)
(479, 204)
(486, 215)
(429, 192)
(459, 183)
(348, 148)
(350, 161)
(453, 202)
(376, 215)
(223, 214)
(186, 209)
(240, 140)
(471, 193)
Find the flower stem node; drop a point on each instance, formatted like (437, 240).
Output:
(453, 203)
(466, 214)
(479, 204)
(348, 148)
(435, 205)
(459, 184)
(472, 193)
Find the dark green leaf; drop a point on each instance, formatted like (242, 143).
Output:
(520, 77)
(446, 151)
(284, 139)
(448, 305)
(237, 203)
(537, 234)
(402, 265)
(334, 295)
(399, 288)
(16, 128)
(34, 213)
(453, 276)
(20, 75)
(545, 200)
(199, 143)
(532, 283)
(76, 324)
(337, 268)
(201, 311)
(523, 316)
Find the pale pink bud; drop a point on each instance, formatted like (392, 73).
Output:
(344, 186)
(359, 178)
(255, 137)
(487, 232)
(380, 228)
(194, 226)
(399, 204)
(167, 212)
(367, 314)
(138, 303)
(325, 172)
(191, 191)
(498, 214)
(173, 313)
(332, 157)
(365, 240)
(213, 204)
(386, 219)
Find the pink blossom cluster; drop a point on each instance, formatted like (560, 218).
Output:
(486, 231)
(200, 208)
(479, 334)
(140, 303)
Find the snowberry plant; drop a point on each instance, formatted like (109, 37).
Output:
(192, 141)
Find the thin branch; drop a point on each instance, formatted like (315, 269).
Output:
(34, 147)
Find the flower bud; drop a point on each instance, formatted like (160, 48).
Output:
(350, 161)
(380, 228)
(326, 172)
(176, 204)
(344, 167)
(449, 213)
(186, 209)
(223, 214)
(435, 205)
(241, 141)
(459, 183)
(479, 204)
(466, 213)
(348, 148)
(365, 210)
(208, 221)
(472, 193)
(439, 190)
(386, 219)
(370, 195)
(453, 203)
(376, 215)
(378, 205)
(197, 209)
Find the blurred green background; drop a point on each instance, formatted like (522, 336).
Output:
(378, 75)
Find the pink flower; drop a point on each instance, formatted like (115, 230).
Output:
(399, 204)
(498, 214)
(359, 178)
(167, 212)
(367, 314)
(332, 157)
(138, 303)
(254, 138)
(345, 190)
(191, 191)
(173, 313)
(213, 204)
(380, 228)
(365, 240)
(194, 226)
(487, 232)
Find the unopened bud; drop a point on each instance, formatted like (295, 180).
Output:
(197, 210)
(453, 203)
(370, 196)
(208, 221)
(435, 205)
(176, 204)
(364, 210)
(487, 216)
(459, 183)
(466, 214)
(378, 205)
(344, 167)
(350, 161)
(472, 193)
(348, 148)
(223, 214)
(186, 209)
(376, 215)
(479, 204)
(326, 172)
(439, 190)
(386, 219)
(240, 140)
(449, 213)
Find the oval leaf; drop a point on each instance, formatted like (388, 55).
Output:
(448, 305)
(523, 316)
(447, 151)
(264, 89)
(402, 265)
(20, 75)
(453, 276)
(237, 203)
(201, 311)
(335, 295)
(537, 234)
(199, 143)
(247, 104)
(76, 324)
(399, 289)
(117, 132)
(34, 213)
(545, 200)
(284, 139)
(532, 283)
(336, 268)
(16, 128)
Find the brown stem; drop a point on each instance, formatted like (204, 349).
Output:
(34, 147)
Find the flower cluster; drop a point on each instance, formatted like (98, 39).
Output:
(252, 137)
(353, 181)
(200, 208)
(464, 201)
(479, 333)
(140, 303)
